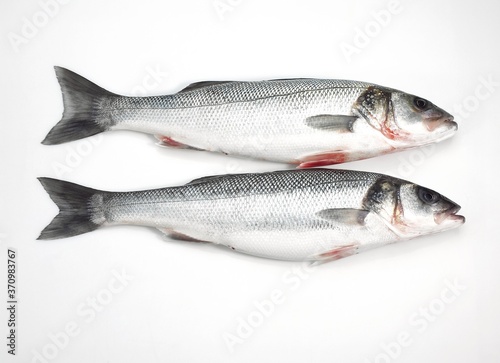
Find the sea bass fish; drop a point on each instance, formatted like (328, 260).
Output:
(308, 214)
(307, 122)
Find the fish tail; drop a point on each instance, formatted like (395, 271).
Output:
(80, 209)
(82, 105)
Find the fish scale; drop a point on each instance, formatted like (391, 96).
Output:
(228, 210)
(266, 117)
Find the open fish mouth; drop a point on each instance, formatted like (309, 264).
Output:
(445, 123)
(432, 125)
(449, 215)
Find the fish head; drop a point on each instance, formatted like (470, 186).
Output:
(411, 210)
(403, 119)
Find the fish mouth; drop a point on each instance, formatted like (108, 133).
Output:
(446, 123)
(449, 215)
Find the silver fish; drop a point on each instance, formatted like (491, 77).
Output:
(307, 122)
(311, 214)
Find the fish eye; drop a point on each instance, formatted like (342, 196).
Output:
(420, 103)
(428, 196)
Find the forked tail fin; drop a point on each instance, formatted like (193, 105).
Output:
(82, 105)
(80, 209)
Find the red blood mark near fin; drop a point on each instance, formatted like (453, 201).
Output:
(338, 253)
(168, 141)
(323, 159)
(394, 134)
(389, 133)
(313, 164)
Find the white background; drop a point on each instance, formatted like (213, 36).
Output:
(185, 298)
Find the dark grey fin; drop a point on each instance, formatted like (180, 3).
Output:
(80, 209)
(81, 100)
(204, 179)
(290, 79)
(178, 236)
(341, 123)
(202, 84)
(345, 216)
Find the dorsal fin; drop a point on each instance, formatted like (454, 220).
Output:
(289, 79)
(202, 84)
(204, 179)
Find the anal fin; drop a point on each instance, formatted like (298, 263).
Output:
(330, 158)
(178, 236)
(170, 142)
(336, 253)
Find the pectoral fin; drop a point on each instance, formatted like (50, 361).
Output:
(339, 123)
(344, 216)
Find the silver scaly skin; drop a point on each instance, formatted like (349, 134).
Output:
(308, 122)
(315, 214)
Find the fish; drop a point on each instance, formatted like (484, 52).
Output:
(312, 214)
(303, 122)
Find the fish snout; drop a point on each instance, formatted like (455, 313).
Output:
(450, 216)
(436, 119)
